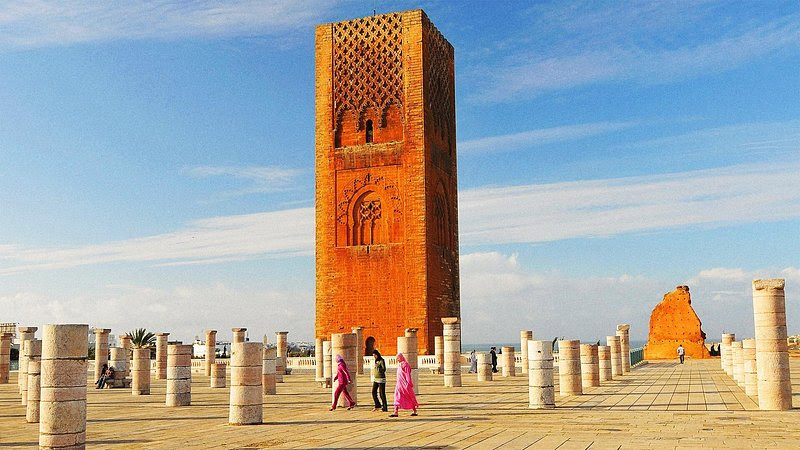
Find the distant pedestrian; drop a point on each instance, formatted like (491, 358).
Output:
(493, 352)
(681, 352)
(473, 362)
(379, 381)
(404, 397)
(343, 377)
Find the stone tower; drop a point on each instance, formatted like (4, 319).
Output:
(386, 200)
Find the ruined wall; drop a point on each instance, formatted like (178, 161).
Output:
(387, 236)
(672, 323)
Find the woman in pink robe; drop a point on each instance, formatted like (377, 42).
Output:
(343, 378)
(404, 397)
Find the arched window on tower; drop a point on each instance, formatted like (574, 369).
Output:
(368, 221)
(369, 131)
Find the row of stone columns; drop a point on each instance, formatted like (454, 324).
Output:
(760, 366)
(452, 351)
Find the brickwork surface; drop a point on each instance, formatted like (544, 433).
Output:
(386, 200)
(659, 405)
(673, 322)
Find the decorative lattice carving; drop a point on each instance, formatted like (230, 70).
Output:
(370, 210)
(367, 64)
(378, 184)
(439, 92)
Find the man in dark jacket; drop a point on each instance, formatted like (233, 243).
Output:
(494, 359)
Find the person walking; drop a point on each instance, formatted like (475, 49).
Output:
(404, 397)
(493, 352)
(681, 352)
(473, 362)
(379, 381)
(343, 377)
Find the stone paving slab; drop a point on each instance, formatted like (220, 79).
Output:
(659, 405)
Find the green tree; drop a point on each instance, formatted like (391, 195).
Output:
(141, 338)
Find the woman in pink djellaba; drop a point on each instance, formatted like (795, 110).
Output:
(343, 379)
(404, 397)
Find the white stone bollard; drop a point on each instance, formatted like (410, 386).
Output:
(33, 384)
(484, 366)
(407, 345)
(25, 334)
(623, 331)
(725, 353)
(569, 367)
(319, 362)
(238, 335)
(359, 332)
(5, 357)
(750, 373)
(616, 356)
(282, 346)
(268, 370)
(62, 403)
(452, 351)
(161, 355)
(509, 363)
(140, 371)
(590, 366)
(211, 350)
(772, 349)
(327, 363)
(246, 406)
(604, 362)
(524, 337)
(738, 363)
(438, 352)
(541, 394)
(179, 375)
(218, 375)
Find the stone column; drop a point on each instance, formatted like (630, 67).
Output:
(161, 356)
(179, 375)
(750, 374)
(119, 361)
(738, 363)
(211, 350)
(268, 355)
(509, 365)
(327, 364)
(5, 357)
(344, 344)
(623, 331)
(590, 366)
(772, 350)
(360, 349)
(616, 356)
(484, 366)
(238, 335)
(524, 337)
(438, 352)
(569, 367)
(452, 351)
(218, 375)
(25, 334)
(541, 394)
(33, 351)
(100, 350)
(62, 404)
(407, 345)
(725, 352)
(34, 388)
(246, 406)
(125, 342)
(282, 344)
(140, 373)
(282, 348)
(604, 362)
(319, 362)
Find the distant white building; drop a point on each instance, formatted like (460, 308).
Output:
(199, 348)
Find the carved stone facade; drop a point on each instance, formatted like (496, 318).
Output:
(387, 213)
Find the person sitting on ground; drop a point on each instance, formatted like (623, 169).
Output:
(106, 373)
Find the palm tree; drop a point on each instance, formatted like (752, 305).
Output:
(141, 338)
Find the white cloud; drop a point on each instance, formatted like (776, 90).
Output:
(623, 57)
(261, 179)
(232, 238)
(550, 212)
(184, 311)
(44, 23)
(491, 215)
(541, 136)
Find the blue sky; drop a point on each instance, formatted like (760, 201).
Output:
(157, 162)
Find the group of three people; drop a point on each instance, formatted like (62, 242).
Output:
(404, 397)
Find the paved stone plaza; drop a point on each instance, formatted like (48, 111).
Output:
(658, 405)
